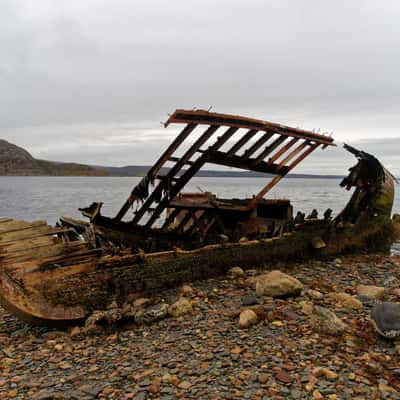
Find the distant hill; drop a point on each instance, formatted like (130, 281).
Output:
(16, 161)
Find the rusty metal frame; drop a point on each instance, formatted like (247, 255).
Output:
(277, 142)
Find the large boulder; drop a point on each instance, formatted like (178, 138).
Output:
(386, 319)
(326, 322)
(278, 284)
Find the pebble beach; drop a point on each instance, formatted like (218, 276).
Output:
(209, 352)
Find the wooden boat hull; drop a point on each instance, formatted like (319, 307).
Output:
(46, 278)
(68, 294)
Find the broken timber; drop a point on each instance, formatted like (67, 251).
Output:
(209, 138)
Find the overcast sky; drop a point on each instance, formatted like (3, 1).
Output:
(90, 81)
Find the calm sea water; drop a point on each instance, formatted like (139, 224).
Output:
(34, 198)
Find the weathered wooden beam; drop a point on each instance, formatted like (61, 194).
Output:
(240, 143)
(198, 221)
(211, 118)
(177, 159)
(157, 166)
(269, 149)
(282, 151)
(292, 154)
(277, 178)
(185, 178)
(157, 191)
(182, 224)
(41, 252)
(170, 218)
(221, 158)
(261, 141)
(14, 226)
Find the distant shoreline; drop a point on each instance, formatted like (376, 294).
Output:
(204, 174)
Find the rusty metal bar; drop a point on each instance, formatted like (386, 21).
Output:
(277, 178)
(156, 167)
(248, 135)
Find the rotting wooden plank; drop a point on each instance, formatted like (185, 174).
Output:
(25, 244)
(30, 234)
(239, 144)
(36, 276)
(43, 251)
(70, 258)
(26, 249)
(15, 225)
(283, 150)
(292, 154)
(41, 241)
(261, 141)
(270, 148)
(17, 270)
(24, 233)
(221, 158)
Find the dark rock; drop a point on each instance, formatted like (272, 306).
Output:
(366, 301)
(249, 300)
(386, 319)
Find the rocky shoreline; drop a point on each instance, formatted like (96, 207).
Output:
(225, 338)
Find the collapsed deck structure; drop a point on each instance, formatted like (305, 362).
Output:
(219, 139)
(57, 275)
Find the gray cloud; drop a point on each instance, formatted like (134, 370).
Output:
(90, 81)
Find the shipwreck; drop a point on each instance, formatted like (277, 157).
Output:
(163, 236)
